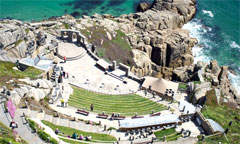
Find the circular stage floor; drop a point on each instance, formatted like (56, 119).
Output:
(70, 50)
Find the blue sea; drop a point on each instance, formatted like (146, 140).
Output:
(216, 24)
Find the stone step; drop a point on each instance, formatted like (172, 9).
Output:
(48, 118)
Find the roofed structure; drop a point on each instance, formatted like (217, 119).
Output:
(159, 85)
(149, 121)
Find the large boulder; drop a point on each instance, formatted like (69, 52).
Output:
(215, 69)
(143, 7)
(200, 91)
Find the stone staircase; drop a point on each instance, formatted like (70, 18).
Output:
(72, 58)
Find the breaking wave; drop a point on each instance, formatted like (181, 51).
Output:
(209, 13)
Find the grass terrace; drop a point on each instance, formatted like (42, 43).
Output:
(69, 131)
(171, 134)
(126, 105)
(8, 73)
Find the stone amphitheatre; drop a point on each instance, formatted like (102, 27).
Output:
(59, 86)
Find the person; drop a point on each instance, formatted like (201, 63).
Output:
(74, 136)
(88, 138)
(57, 131)
(64, 74)
(81, 137)
(62, 102)
(91, 107)
(13, 125)
(67, 75)
(64, 58)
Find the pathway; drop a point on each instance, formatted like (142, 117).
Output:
(23, 129)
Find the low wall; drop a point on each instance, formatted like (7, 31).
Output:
(204, 123)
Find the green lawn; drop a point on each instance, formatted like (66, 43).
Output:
(171, 134)
(182, 85)
(70, 131)
(126, 105)
(71, 141)
(222, 114)
(7, 73)
(6, 135)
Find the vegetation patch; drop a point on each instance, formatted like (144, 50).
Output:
(8, 73)
(116, 49)
(18, 42)
(43, 135)
(222, 114)
(27, 30)
(71, 141)
(126, 105)
(70, 131)
(182, 86)
(171, 134)
(66, 26)
(6, 135)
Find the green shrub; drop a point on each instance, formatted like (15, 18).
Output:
(44, 136)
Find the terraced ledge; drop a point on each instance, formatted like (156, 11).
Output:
(126, 105)
(96, 137)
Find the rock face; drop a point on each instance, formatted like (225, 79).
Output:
(158, 32)
(200, 91)
(37, 89)
(143, 7)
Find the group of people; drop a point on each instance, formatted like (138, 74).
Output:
(81, 137)
(75, 136)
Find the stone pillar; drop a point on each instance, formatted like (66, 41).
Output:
(114, 65)
(127, 72)
(183, 108)
(164, 138)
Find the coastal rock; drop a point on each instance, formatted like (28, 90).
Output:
(215, 69)
(200, 92)
(143, 7)
(9, 34)
(143, 63)
(109, 35)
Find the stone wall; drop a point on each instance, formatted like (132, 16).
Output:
(204, 123)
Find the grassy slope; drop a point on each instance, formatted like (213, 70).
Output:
(116, 49)
(171, 134)
(70, 131)
(123, 104)
(7, 134)
(71, 141)
(8, 73)
(222, 114)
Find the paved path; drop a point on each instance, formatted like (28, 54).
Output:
(189, 140)
(23, 129)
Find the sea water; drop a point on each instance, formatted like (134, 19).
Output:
(216, 24)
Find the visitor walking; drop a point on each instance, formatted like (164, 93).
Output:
(64, 58)
(91, 107)
(62, 102)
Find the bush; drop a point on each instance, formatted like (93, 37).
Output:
(32, 125)
(44, 136)
(7, 141)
